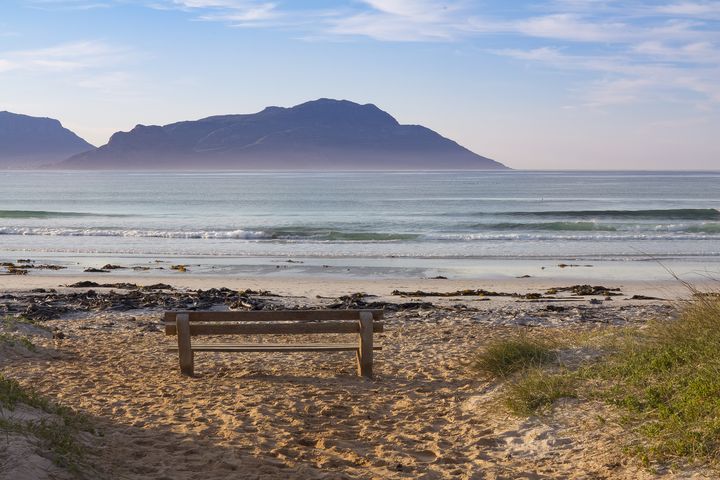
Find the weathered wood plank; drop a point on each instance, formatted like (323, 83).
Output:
(184, 345)
(296, 328)
(268, 347)
(365, 352)
(272, 315)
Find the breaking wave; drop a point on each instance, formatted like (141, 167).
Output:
(662, 214)
(699, 232)
(20, 214)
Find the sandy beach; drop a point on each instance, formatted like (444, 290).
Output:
(426, 414)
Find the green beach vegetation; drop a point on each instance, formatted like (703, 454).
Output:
(663, 378)
(55, 430)
(506, 356)
(13, 340)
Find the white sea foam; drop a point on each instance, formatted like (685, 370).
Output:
(334, 236)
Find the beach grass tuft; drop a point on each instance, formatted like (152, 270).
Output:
(506, 356)
(537, 389)
(57, 432)
(13, 340)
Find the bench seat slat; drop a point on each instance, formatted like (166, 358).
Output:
(274, 347)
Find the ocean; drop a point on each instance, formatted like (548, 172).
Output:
(426, 220)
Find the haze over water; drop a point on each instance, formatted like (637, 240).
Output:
(466, 215)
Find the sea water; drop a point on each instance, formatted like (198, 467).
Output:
(422, 218)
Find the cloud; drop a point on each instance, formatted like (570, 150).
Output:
(416, 9)
(71, 4)
(403, 20)
(61, 58)
(86, 64)
(696, 52)
(573, 27)
(691, 9)
(390, 20)
(236, 13)
(246, 15)
(389, 27)
(630, 77)
(622, 91)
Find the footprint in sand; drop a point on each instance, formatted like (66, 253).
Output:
(425, 456)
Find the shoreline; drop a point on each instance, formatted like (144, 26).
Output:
(41, 270)
(329, 286)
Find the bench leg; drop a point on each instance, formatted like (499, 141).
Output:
(185, 352)
(365, 349)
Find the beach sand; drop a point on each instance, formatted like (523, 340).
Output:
(426, 414)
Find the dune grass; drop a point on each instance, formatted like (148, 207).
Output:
(664, 378)
(525, 362)
(506, 356)
(57, 432)
(537, 389)
(667, 379)
(21, 340)
(8, 324)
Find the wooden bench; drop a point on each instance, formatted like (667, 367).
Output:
(285, 322)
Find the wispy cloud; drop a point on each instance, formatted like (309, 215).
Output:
(403, 20)
(87, 64)
(630, 51)
(71, 4)
(236, 13)
(61, 58)
(572, 27)
(691, 9)
(634, 76)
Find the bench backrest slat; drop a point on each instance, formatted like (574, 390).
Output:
(262, 322)
(272, 315)
(278, 328)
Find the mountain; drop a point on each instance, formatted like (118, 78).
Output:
(321, 134)
(27, 142)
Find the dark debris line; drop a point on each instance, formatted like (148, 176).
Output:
(577, 290)
(43, 304)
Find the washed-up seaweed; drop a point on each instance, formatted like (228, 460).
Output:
(585, 290)
(51, 305)
(356, 301)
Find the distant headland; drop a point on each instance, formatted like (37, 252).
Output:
(323, 134)
(31, 142)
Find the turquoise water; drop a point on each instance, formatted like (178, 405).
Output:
(472, 215)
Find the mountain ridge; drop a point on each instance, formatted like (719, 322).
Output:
(28, 142)
(319, 134)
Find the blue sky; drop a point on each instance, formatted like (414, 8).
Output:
(587, 84)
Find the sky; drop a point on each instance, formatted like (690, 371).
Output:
(560, 84)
